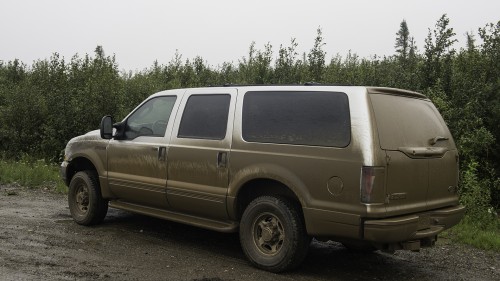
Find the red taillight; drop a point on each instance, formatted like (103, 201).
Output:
(372, 185)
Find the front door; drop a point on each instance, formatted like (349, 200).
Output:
(137, 163)
(199, 153)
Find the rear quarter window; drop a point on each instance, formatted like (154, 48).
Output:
(297, 117)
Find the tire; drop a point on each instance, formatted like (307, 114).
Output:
(86, 205)
(273, 234)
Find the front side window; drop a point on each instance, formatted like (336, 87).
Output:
(205, 117)
(151, 118)
(297, 117)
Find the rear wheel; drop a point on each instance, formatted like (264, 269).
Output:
(86, 205)
(273, 234)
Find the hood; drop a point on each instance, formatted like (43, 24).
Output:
(86, 141)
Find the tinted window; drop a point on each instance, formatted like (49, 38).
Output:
(205, 117)
(151, 118)
(306, 118)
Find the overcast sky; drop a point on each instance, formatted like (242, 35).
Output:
(139, 32)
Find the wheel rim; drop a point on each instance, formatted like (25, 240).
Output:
(268, 234)
(82, 198)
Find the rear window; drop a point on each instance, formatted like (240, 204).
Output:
(298, 117)
(407, 122)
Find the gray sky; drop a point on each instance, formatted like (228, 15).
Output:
(139, 32)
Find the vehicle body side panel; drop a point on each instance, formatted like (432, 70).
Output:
(137, 168)
(196, 183)
(325, 179)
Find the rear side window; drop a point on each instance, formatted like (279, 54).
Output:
(301, 118)
(205, 117)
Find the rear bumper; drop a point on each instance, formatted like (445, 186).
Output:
(412, 227)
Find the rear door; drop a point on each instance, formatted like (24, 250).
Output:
(199, 153)
(421, 155)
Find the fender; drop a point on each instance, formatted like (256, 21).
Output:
(264, 171)
(92, 148)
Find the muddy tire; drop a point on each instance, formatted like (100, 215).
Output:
(273, 234)
(86, 205)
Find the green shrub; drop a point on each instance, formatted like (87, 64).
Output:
(480, 234)
(475, 195)
(31, 173)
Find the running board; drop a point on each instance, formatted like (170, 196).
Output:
(219, 226)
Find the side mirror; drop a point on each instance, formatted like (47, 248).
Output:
(107, 127)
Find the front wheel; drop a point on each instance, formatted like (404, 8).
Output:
(273, 234)
(86, 205)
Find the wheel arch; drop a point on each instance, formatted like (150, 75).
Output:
(264, 179)
(78, 164)
(82, 162)
(260, 187)
(252, 179)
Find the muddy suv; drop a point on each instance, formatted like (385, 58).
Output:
(372, 168)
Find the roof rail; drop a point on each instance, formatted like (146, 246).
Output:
(312, 83)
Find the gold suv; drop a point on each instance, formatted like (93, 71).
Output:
(372, 168)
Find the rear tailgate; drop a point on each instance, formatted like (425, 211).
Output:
(422, 160)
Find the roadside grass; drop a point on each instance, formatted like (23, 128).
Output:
(31, 174)
(483, 234)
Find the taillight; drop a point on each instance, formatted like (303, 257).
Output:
(372, 185)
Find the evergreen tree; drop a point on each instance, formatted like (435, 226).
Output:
(403, 42)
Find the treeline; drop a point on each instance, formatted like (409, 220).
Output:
(45, 104)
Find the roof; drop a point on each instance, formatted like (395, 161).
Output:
(394, 91)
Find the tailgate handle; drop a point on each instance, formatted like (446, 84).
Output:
(423, 152)
(433, 141)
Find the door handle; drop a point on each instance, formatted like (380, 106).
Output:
(222, 159)
(162, 153)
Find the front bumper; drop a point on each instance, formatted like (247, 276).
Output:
(412, 227)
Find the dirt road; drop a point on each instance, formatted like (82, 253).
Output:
(39, 241)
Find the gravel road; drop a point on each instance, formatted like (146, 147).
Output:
(39, 241)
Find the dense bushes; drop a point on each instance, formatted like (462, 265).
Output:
(43, 105)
